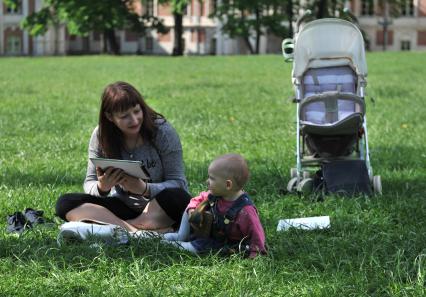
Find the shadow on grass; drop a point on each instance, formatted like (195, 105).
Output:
(37, 246)
(369, 235)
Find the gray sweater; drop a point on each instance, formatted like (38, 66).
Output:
(163, 160)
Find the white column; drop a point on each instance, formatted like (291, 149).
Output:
(220, 42)
(263, 44)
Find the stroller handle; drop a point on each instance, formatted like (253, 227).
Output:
(287, 47)
(302, 18)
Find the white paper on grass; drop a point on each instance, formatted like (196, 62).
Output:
(308, 223)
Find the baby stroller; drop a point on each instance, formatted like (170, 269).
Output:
(329, 76)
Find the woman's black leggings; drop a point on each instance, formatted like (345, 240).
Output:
(172, 201)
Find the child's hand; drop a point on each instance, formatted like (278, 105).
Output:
(201, 222)
(195, 218)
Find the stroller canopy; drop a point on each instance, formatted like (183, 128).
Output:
(329, 42)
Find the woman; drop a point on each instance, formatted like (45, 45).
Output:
(129, 129)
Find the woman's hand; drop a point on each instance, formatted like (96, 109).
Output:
(109, 178)
(134, 185)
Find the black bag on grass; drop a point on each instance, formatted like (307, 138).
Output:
(346, 177)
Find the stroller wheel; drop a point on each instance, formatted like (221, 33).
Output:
(293, 172)
(377, 185)
(291, 186)
(305, 186)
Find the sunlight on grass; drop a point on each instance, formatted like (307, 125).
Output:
(375, 247)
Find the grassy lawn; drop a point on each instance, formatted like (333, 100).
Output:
(375, 247)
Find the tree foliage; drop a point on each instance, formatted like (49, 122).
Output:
(82, 17)
(250, 19)
(178, 7)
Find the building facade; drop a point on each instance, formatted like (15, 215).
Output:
(405, 32)
(202, 35)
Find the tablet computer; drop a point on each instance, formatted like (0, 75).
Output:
(133, 168)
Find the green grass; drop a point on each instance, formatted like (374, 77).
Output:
(375, 247)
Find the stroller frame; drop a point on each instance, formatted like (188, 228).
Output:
(300, 176)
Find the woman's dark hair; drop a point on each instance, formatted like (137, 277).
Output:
(119, 97)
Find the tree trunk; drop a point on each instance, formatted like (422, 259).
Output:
(258, 30)
(333, 8)
(112, 41)
(290, 18)
(178, 32)
(248, 44)
(322, 9)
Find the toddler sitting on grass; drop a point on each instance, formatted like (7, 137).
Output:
(225, 213)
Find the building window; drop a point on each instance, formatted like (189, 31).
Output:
(213, 46)
(149, 44)
(367, 7)
(421, 38)
(201, 35)
(149, 9)
(407, 8)
(15, 10)
(13, 45)
(131, 36)
(380, 37)
(405, 45)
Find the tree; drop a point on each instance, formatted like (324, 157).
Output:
(326, 8)
(332, 8)
(251, 19)
(82, 16)
(178, 8)
(290, 6)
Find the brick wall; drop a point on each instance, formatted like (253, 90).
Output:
(202, 35)
(421, 38)
(192, 8)
(31, 6)
(379, 37)
(198, 35)
(164, 10)
(422, 8)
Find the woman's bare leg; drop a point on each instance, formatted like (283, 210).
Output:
(89, 211)
(153, 217)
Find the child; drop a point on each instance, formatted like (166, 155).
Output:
(235, 219)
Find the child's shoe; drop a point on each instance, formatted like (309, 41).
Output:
(171, 236)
